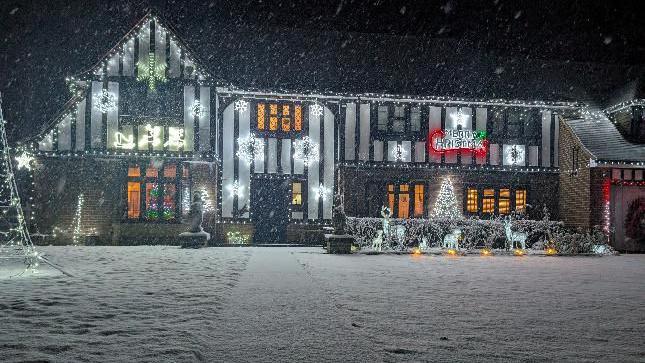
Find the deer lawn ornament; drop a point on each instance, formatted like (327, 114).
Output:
(513, 237)
(451, 240)
(377, 242)
(423, 245)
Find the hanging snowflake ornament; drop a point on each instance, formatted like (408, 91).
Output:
(316, 110)
(235, 188)
(250, 148)
(321, 192)
(459, 118)
(24, 160)
(240, 105)
(197, 109)
(105, 101)
(306, 150)
(151, 72)
(399, 153)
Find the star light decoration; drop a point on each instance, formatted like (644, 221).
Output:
(316, 110)
(459, 118)
(306, 150)
(250, 148)
(240, 105)
(105, 101)
(24, 160)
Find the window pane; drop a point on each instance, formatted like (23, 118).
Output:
(520, 200)
(398, 125)
(169, 192)
(471, 200)
(399, 111)
(504, 201)
(286, 124)
(152, 198)
(285, 110)
(134, 200)
(261, 113)
(152, 172)
(404, 187)
(297, 118)
(390, 201)
(296, 198)
(273, 109)
(170, 171)
(273, 123)
(488, 202)
(415, 119)
(382, 118)
(404, 205)
(390, 187)
(418, 200)
(186, 171)
(134, 171)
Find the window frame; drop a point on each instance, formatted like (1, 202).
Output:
(393, 192)
(279, 133)
(494, 198)
(178, 181)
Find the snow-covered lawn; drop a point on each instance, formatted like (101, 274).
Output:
(277, 304)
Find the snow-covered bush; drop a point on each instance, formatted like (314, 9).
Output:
(576, 242)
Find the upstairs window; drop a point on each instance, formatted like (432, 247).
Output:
(278, 117)
(398, 121)
(382, 118)
(415, 119)
(296, 194)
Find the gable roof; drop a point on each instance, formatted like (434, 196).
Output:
(601, 139)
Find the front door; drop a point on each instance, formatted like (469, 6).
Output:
(270, 208)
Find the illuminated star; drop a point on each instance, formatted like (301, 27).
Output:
(459, 118)
(24, 161)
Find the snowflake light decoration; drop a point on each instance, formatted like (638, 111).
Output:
(105, 101)
(235, 188)
(399, 153)
(197, 109)
(151, 72)
(321, 192)
(24, 160)
(306, 150)
(240, 105)
(316, 110)
(250, 148)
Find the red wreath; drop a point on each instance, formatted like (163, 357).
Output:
(635, 220)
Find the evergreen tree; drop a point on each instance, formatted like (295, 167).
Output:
(446, 206)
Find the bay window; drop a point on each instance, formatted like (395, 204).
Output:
(153, 192)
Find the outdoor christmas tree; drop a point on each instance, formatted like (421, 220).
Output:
(15, 241)
(446, 206)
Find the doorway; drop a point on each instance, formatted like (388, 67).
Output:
(270, 207)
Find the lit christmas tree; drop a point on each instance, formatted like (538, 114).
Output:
(446, 205)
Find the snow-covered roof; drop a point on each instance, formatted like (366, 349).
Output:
(600, 137)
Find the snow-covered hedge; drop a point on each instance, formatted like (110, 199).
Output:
(407, 233)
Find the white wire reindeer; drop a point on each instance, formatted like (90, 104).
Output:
(451, 240)
(377, 242)
(514, 237)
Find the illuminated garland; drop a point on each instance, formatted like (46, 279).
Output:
(77, 220)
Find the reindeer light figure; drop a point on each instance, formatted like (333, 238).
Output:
(377, 242)
(451, 240)
(514, 237)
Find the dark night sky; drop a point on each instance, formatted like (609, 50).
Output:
(473, 49)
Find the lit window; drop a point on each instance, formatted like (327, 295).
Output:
(418, 200)
(170, 171)
(152, 200)
(404, 201)
(504, 201)
(471, 200)
(134, 170)
(488, 201)
(390, 197)
(296, 191)
(261, 115)
(297, 118)
(152, 172)
(520, 200)
(134, 200)
(273, 117)
(169, 193)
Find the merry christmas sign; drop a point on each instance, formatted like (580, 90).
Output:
(444, 140)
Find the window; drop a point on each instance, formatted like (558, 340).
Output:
(471, 200)
(398, 122)
(160, 192)
(282, 117)
(504, 206)
(382, 118)
(497, 121)
(419, 197)
(404, 201)
(296, 194)
(520, 200)
(415, 119)
(400, 197)
(514, 123)
(488, 201)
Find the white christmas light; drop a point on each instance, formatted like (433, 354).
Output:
(240, 105)
(459, 118)
(399, 153)
(175, 137)
(446, 206)
(316, 110)
(77, 220)
(197, 109)
(24, 160)
(151, 72)
(105, 101)
(236, 189)
(250, 148)
(306, 151)
(123, 142)
(514, 155)
(321, 192)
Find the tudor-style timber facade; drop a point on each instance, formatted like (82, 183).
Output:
(148, 127)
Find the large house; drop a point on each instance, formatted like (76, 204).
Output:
(148, 127)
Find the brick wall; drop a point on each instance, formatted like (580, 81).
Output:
(574, 200)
